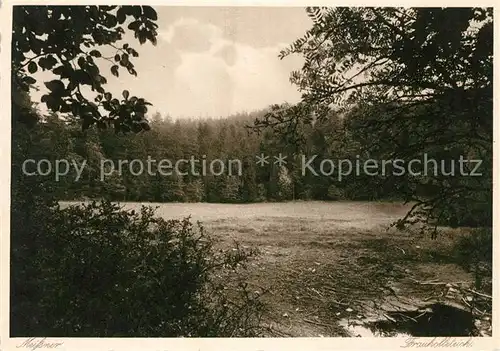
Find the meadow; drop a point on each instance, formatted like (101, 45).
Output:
(330, 268)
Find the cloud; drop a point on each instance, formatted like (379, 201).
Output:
(190, 35)
(261, 79)
(203, 87)
(204, 74)
(228, 54)
(218, 76)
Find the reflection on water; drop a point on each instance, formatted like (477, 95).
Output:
(435, 320)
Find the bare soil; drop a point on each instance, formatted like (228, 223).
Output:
(319, 273)
(321, 265)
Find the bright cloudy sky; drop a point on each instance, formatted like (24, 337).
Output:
(214, 61)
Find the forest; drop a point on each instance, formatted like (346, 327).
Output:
(233, 138)
(56, 138)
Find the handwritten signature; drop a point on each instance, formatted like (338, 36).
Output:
(39, 343)
(437, 342)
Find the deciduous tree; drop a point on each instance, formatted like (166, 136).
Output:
(69, 41)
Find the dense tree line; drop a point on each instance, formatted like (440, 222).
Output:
(56, 138)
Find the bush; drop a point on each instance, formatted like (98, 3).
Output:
(334, 193)
(99, 271)
(474, 252)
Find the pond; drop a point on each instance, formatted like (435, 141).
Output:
(435, 320)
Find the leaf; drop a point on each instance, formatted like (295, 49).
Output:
(32, 67)
(142, 37)
(150, 13)
(93, 105)
(101, 125)
(53, 103)
(117, 58)
(65, 108)
(134, 25)
(145, 125)
(55, 85)
(87, 122)
(125, 59)
(95, 53)
(141, 109)
(36, 46)
(114, 70)
(136, 128)
(136, 11)
(59, 70)
(50, 62)
(132, 71)
(29, 80)
(111, 21)
(71, 86)
(81, 62)
(138, 116)
(108, 96)
(151, 38)
(75, 109)
(125, 94)
(120, 15)
(93, 71)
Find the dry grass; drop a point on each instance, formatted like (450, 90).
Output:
(323, 262)
(316, 270)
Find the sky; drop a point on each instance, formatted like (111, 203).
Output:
(216, 61)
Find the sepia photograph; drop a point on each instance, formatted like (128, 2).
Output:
(250, 171)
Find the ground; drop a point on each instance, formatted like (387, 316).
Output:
(323, 267)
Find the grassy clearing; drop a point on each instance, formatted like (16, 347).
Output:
(318, 264)
(318, 273)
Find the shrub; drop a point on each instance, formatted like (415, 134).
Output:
(334, 193)
(101, 271)
(474, 252)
